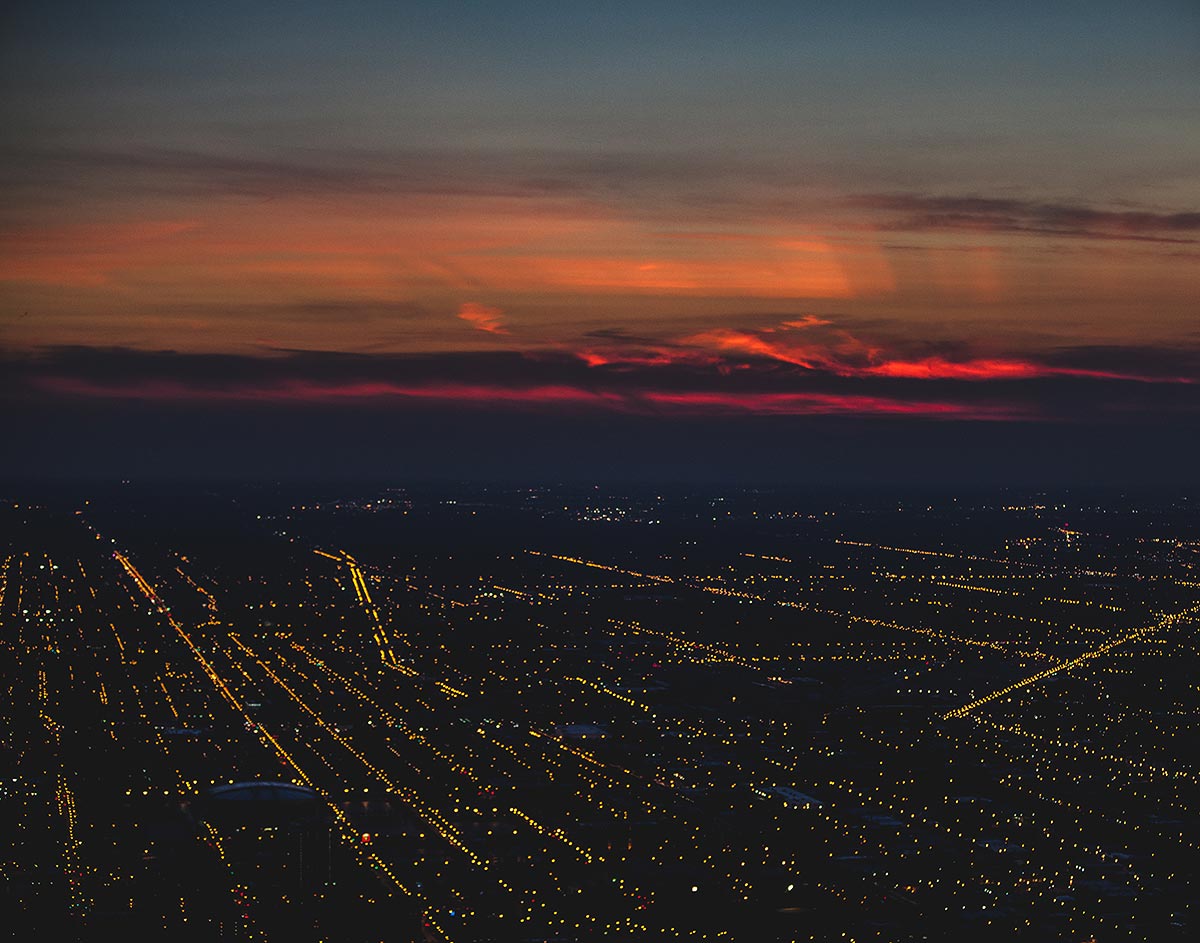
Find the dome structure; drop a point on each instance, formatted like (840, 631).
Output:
(261, 791)
(261, 802)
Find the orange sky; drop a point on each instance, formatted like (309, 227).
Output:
(858, 206)
(355, 272)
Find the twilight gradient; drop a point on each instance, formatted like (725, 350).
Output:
(977, 212)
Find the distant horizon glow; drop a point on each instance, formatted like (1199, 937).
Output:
(985, 213)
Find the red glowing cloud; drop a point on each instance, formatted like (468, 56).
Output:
(483, 317)
(939, 368)
(307, 391)
(812, 343)
(686, 402)
(658, 356)
(808, 342)
(799, 366)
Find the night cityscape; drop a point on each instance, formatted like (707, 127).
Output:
(556, 713)
(511, 471)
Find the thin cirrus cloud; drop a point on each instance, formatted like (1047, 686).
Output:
(646, 185)
(377, 236)
(483, 317)
(419, 231)
(541, 397)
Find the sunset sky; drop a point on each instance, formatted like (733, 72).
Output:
(681, 225)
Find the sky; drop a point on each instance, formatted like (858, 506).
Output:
(950, 241)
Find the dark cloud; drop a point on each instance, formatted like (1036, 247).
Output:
(618, 335)
(1150, 362)
(1072, 383)
(697, 189)
(85, 412)
(919, 213)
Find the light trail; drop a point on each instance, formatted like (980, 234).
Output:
(1076, 662)
(386, 653)
(346, 830)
